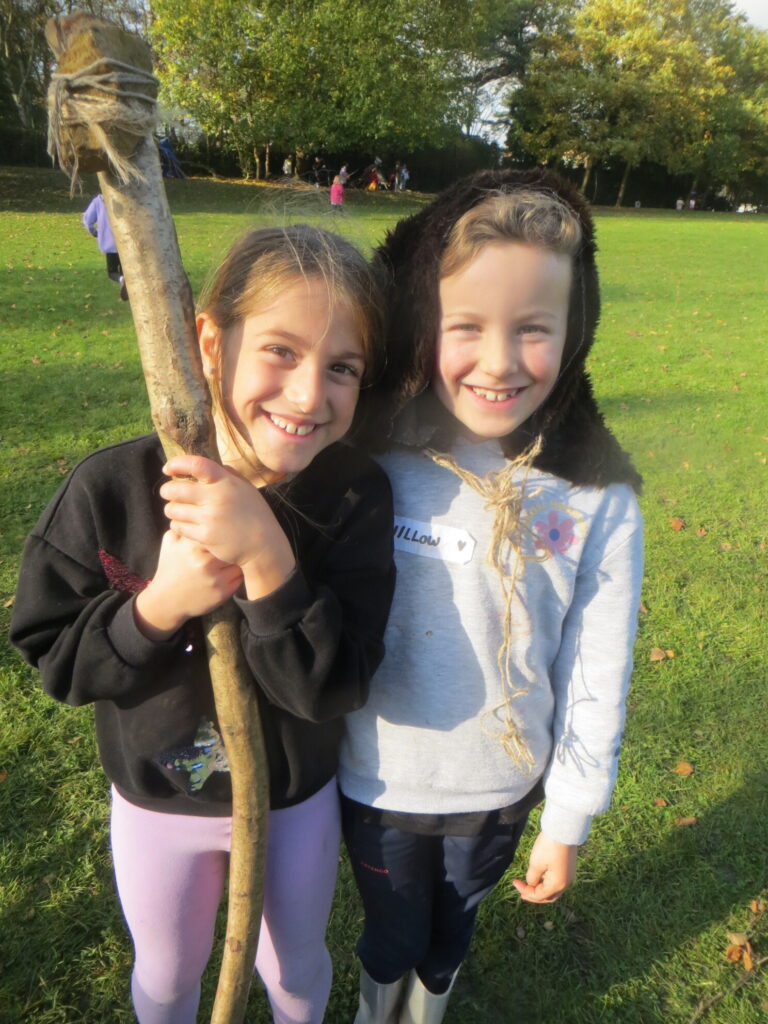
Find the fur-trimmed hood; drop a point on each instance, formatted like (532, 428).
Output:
(578, 446)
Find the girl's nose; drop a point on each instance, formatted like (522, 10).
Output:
(498, 356)
(306, 388)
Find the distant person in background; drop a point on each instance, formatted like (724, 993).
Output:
(337, 194)
(169, 163)
(403, 179)
(96, 223)
(680, 204)
(343, 175)
(287, 167)
(318, 169)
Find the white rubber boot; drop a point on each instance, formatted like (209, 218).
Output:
(379, 1004)
(422, 1006)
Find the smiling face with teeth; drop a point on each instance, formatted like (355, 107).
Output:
(503, 323)
(291, 376)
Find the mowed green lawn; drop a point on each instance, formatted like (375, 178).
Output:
(679, 862)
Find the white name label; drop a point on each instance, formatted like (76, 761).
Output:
(447, 543)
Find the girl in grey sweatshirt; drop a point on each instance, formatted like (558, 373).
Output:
(518, 543)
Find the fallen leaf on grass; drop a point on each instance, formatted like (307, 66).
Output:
(682, 822)
(657, 654)
(726, 545)
(661, 802)
(549, 925)
(757, 906)
(702, 531)
(683, 768)
(9, 602)
(740, 948)
(643, 608)
(3, 776)
(677, 523)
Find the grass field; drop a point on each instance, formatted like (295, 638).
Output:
(680, 371)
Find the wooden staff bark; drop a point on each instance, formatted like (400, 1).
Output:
(102, 101)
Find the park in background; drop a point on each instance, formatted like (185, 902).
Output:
(637, 103)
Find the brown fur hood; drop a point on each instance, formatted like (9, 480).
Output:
(578, 446)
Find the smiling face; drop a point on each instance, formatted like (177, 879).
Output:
(290, 376)
(503, 323)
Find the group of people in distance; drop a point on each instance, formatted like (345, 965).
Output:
(435, 550)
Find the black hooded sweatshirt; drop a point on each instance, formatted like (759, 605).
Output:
(311, 646)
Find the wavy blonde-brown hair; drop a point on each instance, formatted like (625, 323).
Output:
(532, 216)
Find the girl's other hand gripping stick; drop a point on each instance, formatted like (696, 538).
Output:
(189, 581)
(551, 869)
(224, 513)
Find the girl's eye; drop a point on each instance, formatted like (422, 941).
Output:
(467, 328)
(533, 329)
(281, 351)
(346, 370)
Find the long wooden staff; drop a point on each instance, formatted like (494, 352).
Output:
(102, 117)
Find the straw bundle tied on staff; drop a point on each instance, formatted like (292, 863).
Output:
(102, 111)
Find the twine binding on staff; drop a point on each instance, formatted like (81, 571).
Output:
(504, 497)
(120, 107)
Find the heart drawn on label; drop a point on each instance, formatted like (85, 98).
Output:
(461, 545)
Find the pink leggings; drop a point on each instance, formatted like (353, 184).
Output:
(171, 871)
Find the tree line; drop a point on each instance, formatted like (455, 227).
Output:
(582, 84)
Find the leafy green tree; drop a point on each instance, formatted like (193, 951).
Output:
(313, 74)
(631, 82)
(26, 59)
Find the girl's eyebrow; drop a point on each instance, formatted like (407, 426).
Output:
(349, 355)
(278, 332)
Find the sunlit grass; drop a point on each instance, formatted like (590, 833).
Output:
(679, 369)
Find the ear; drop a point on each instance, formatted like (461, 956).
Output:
(208, 336)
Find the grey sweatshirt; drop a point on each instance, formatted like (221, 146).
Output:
(427, 741)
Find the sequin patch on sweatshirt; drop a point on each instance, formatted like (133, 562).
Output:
(206, 756)
(556, 529)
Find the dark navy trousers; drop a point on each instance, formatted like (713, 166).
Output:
(420, 894)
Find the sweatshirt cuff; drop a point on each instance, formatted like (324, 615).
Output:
(280, 610)
(130, 644)
(565, 825)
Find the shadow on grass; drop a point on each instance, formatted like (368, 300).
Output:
(602, 960)
(59, 910)
(624, 919)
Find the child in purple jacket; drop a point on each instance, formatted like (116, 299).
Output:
(96, 223)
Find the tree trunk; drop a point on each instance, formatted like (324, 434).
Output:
(623, 186)
(588, 163)
(267, 150)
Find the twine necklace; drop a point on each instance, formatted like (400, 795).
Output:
(504, 497)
